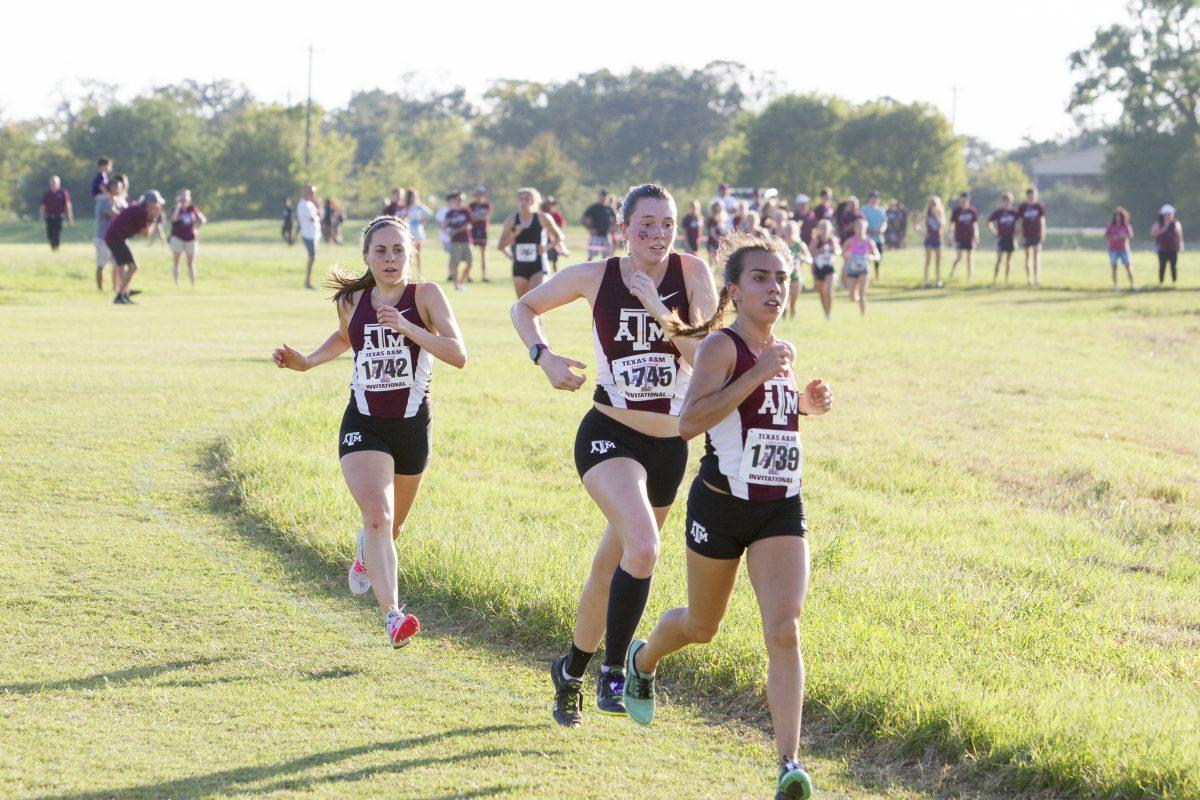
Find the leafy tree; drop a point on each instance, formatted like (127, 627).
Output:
(994, 178)
(907, 151)
(792, 143)
(18, 147)
(546, 167)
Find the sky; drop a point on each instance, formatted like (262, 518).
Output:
(999, 69)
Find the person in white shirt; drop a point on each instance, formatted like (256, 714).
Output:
(308, 217)
(725, 198)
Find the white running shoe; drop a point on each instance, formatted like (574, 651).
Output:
(360, 583)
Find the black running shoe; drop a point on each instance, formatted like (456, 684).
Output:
(129, 301)
(119, 300)
(609, 691)
(568, 696)
(132, 292)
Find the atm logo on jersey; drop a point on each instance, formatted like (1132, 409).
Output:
(378, 337)
(780, 400)
(639, 327)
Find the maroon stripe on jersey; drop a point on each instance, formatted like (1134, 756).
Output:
(623, 327)
(365, 329)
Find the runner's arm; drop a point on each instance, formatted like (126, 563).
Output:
(702, 300)
(568, 285)
(709, 400)
(554, 233)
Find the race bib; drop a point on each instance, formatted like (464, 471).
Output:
(771, 457)
(824, 260)
(385, 369)
(649, 376)
(527, 252)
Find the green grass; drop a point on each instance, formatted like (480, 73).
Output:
(158, 640)
(1003, 514)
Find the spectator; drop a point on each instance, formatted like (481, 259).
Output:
(1119, 233)
(876, 226)
(691, 227)
(935, 223)
(185, 222)
(109, 203)
(1003, 225)
(457, 226)
(481, 217)
(598, 219)
(966, 233)
(727, 201)
(100, 179)
(417, 213)
(55, 206)
(896, 234)
(308, 219)
(1168, 237)
(135, 220)
(1033, 231)
(804, 215)
(550, 206)
(288, 229)
(394, 207)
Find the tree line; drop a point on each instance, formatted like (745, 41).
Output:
(686, 128)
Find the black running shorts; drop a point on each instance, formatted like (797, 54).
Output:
(664, 458)
(723, 526)
(527, 270)
(405, 440)
(120, 253)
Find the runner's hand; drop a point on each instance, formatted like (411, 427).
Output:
(391, 316)
(817, 398)
(774, 360)
(642, 287)
(287, 357)
(559, 371)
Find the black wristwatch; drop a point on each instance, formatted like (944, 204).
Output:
(536, 351)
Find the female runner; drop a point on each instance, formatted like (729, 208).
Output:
(746, 498)
(860, 252)
(396, 328)
(628, 451)
(531, 232)
(824, 247)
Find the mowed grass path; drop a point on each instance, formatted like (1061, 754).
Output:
(156, 642)
(1002, 509)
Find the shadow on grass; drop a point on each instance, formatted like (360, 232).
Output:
(104, 679)
(881, 764)
(240, 779)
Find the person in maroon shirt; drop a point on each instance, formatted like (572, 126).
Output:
(185, 220)
(135, 220)
(1033, 231)
(550, 206)
(481, 217)
(55, 205)
(1003, 225)
(1167, 233)
(1119, 233)
(847, 218)
(965, 219)
(458, 225)
(825, 208)
(395, 206)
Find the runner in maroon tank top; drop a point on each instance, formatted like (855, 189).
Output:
(627, 450)
(746, 499)
(396, 328)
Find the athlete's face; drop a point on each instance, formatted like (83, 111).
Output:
(651, 229)
(387, 256)
(525, 201)
(761, 292)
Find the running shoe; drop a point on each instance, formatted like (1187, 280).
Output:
(608, 692)
(119, 300)
(129, 300)
(794, 783)
(360, 583)
(638, 691)
(401, 627)
(568, 696)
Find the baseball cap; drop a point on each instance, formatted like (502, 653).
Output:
(1167, 209)
(722, 185)
(803, 198)
(872, 194)
(480, 189)
(152, 196)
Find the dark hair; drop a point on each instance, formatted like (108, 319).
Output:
(646, 190)
(344, 286)
(1120, 216)
(410, 197)
(731, 255)
(103, 161)
(118, 177)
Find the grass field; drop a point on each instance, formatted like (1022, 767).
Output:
(1004, 526)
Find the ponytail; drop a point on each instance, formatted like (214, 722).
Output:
(675, 327)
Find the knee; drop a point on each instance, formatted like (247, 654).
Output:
(641, 557)
(377, 521)
(702, 631)
(783, 635)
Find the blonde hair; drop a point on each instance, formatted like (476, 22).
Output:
(534, 193)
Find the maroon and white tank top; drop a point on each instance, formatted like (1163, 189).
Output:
(391, 372)
(637, 367)
(755, 452)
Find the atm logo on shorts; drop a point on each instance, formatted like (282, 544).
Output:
(699, 533)
(601, 446)
(351, 439)
(639, 327)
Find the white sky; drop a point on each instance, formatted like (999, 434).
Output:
(1008, 59)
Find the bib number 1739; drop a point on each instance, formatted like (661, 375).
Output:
(772, 457)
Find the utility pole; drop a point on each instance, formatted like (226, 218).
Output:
(953, 106)
(308, 118)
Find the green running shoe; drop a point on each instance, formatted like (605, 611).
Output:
(794, 783)
(638, 691)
